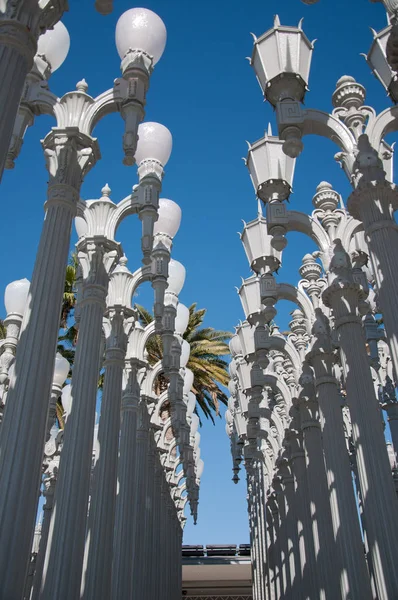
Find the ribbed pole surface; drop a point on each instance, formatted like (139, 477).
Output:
(126, 501)
(354, 579)
(140, 497)
(65, 552)
(25, 418)
(378, 494)
(309, 578)
(99, 548)
(327, 563)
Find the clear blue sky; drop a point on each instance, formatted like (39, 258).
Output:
(205, 92)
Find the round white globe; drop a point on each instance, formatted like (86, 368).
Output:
(199, 468)
(154, 142)
(176, 278)
(191, 404)
(185, 352)
(188, 383)
(141, 29)
(182, 319)
(194, 424)
(16, 296)
(169, 218)
(61, 369)
(81, 226)
(54, 45)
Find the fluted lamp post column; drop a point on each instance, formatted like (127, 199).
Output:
(64, 559)
(328, 563)
(377, 489)
(70, 153)
(355, 578)
(99, 542)
(126, 513)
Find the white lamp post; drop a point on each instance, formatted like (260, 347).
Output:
(70, 151)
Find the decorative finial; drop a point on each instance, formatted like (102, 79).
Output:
(348, 93)
(106, 191)
(82, 86)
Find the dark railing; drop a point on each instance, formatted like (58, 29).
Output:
(191, 551)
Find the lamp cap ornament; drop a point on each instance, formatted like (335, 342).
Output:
(82, 86)
(348, 93)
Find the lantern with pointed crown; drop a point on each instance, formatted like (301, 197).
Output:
(259, 246)
(281, 59)
(271, 170)
(377, 61)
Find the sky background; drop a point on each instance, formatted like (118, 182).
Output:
(206, 93)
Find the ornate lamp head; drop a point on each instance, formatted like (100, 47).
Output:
(377, 61)
(281, 59)
(258, 244)
(271, 170)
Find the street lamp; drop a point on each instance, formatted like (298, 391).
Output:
(70, 152)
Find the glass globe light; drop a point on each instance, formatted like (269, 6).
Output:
(66, 399)
(176, 278)
(194, 424)
(16, 296)
(197, 440)
(154, 143)
(199, 468)
(141, 29)
(61, 370)
(169, 218)
(81, 226)
(191, 404)
(185, 352)
(54, 45)
(182, 319)
(188, 381)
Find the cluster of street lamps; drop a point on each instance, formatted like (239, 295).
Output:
(306, 408)
(104, 518)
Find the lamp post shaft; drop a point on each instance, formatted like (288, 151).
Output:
(24, 425)
(374, 472)
(354, 582)
(304, 530)
(373, 202)
(126, 514)
(137, 569)
(65, 551)
(101, 521)
(324, 543)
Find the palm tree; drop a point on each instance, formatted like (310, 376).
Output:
(207, 346)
